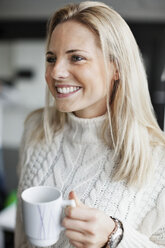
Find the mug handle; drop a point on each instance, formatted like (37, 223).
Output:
(66, 203)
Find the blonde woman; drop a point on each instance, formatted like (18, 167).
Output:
(97, 139)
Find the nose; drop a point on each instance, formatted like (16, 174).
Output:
(60, 70)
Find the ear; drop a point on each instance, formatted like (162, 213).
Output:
(114, 83)
(114, 72)
(116, 75)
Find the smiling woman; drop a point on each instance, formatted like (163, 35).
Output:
(75, 71)
(97, 139)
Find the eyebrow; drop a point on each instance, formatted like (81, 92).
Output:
(68, 51)
(75, 50)
(49, 53)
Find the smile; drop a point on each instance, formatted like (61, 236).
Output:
(66, 91)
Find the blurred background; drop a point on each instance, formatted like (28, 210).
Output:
(22, 84)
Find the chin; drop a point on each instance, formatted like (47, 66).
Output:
(64, 109)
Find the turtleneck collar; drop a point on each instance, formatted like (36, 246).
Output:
(83, 130)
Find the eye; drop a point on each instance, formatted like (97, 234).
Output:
(51, 59)
(77, 58)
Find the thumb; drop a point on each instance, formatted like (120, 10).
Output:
(73, 196)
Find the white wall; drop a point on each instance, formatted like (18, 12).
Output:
(39, 9)
(26, 95)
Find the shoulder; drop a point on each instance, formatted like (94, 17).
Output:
(34, 117)
(37, 129)
(154, 194)
(159, 155)
(32, 126)
(159, 170)
(158, 158)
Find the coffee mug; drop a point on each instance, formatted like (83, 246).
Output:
(42, 211)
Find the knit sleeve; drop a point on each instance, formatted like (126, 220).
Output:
(20, 239)
(151, 233)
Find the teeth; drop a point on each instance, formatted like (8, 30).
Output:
(66, 90)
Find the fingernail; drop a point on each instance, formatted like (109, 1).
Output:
(71, 194)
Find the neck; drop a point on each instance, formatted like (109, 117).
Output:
(85, 130)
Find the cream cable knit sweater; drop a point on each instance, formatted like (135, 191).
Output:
(78, 160)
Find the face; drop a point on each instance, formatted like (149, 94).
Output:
(75, 71)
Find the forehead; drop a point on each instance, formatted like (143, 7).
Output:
(73, 33)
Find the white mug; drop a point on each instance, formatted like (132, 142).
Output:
(41, 210)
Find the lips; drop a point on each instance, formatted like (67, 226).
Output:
(65, 90)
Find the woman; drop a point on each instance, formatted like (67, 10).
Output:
(97, 138)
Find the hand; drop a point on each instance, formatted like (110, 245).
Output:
(86, 227)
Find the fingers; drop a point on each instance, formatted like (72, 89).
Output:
(73, 196)
(76, 225)
(76, 244)
(78, 212)
(83, 214)
(86, 227)
(79, 239)
(72, 235)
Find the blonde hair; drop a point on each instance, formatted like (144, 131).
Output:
(130, 116)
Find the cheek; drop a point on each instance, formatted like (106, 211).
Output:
(86, 78)
(49, 82)
(48, 76)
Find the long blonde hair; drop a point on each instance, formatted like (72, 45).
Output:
(130, 116)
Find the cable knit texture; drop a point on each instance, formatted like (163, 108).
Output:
(78, 160)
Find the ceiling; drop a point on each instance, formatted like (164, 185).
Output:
(139, 10)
